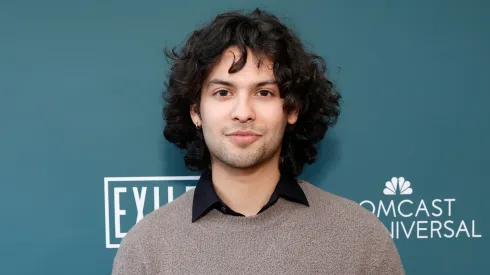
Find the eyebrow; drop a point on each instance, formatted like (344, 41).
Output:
(230, 84)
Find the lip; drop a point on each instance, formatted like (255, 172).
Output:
(243, 137)
(243, 133)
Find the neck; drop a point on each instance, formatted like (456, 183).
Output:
(245, 191)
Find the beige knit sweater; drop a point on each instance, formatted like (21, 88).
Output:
(333, 235)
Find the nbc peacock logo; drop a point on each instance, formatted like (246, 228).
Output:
(397, 186)
(409, 216)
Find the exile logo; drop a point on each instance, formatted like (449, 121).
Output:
(418, 218)
(129, 199)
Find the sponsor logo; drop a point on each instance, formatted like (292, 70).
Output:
(408, 216)
(128, 199)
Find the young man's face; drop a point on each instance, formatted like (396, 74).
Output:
(242, 114)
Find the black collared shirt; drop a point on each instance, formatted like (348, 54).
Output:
(205, 197)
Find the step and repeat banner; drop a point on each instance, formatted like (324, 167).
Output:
(83, 158)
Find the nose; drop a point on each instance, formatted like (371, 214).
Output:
(243, 110)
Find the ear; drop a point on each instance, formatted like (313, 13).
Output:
(293, 116)
(196, 119)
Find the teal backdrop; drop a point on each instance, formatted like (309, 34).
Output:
(82, 156)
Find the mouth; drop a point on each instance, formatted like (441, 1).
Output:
(243, 137)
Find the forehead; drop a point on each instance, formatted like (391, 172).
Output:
(252, 71)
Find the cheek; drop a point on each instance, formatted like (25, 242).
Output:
(279, 130)
(275, 128)
(213, 117)
(273, 117)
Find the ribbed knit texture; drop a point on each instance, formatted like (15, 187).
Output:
(332, 236)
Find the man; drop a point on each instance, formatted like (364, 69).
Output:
(249, 104)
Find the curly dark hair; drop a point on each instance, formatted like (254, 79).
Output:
(300, 76)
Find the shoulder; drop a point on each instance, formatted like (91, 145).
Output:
(147, 237)
(163, 221)
(353, 230)
(344, 214)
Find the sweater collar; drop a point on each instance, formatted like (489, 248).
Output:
(205, 198)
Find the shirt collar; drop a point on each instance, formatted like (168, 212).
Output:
(205, 198)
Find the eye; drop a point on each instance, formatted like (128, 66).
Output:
(264, 93)
(221, 93)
